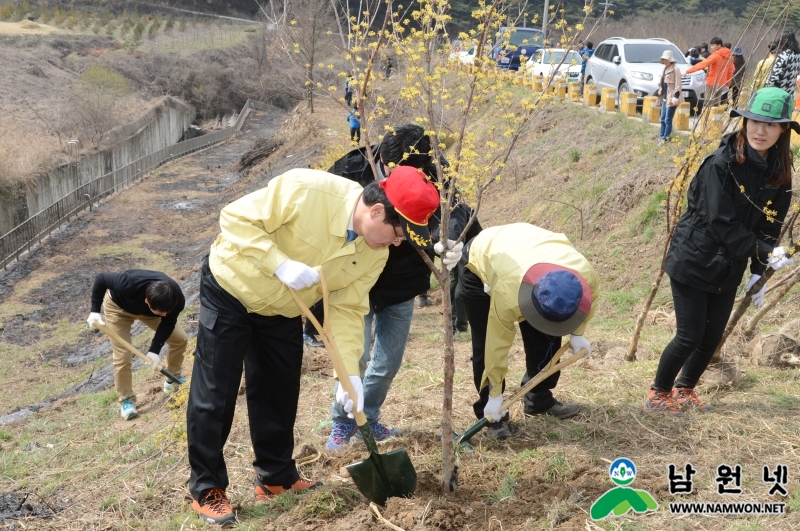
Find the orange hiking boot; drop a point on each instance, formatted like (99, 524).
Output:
(214, 509)
(686, 398)
(662, 402)
(268, 492)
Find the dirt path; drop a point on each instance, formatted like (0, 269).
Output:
(166, 222)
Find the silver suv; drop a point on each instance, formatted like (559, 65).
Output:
(632, 65)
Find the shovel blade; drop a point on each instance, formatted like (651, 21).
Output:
(383, 476)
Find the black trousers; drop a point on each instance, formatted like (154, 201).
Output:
(355, 134)
(271, 349)
(539, 349)
(460, 319)
(700, 320)
(318, 311)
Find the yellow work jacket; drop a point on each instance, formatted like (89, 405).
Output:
(301, 215)
(501, 256)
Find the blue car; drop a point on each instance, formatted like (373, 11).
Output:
(521, 45)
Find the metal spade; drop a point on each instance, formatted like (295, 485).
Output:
(380, 476)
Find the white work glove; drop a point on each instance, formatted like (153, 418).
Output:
(576, 343)
(452, 255)
(95, 317)
(487, 288)
(343, 397)
(296, 275)
(758, 298)
(779, 260)
(155, 358)
(492, 408)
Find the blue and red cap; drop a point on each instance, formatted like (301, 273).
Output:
(553, 299)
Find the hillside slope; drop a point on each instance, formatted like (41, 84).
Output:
(99, 472)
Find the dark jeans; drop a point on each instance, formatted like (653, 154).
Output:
(348, 97)
(355, 134)
(271, 349)
(539, 349)
(460, 319)
(700, 318)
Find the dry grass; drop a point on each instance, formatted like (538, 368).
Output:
(27, 28)
(24, 152)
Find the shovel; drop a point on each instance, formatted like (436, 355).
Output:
(550, 369)
(380, 476)
(133, 350)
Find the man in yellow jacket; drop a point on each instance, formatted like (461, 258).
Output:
(271, 240)
(526, 275)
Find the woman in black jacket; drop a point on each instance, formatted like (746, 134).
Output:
(737, 201)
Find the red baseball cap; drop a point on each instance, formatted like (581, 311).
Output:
(415, 198)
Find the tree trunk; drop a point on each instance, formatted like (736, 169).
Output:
(448, 455)
(310, 89)
(637, 330)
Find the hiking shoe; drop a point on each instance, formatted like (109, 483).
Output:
(502, 430)
(558, 410)
(686, 398)
(662, 402)
(127, 409)
(171, 387)
(312, 341)
(340, 435)
(380, 432)
(268, 492)
(214, 509)
(423, 301)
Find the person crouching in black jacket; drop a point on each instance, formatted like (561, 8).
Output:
(737, 201)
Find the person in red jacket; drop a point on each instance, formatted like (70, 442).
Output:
(720, 72)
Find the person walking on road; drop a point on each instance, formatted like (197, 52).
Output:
(388, 67)
(720, 72)
(152, 298)
(669, 94)
(786, 67)
(270, 241)
(355, 125)
(348, 91)
(520, 274)
(726, 224)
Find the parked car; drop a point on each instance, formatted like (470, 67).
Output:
(522, 44)
(632, 65)
(463, 52)
(566, 63)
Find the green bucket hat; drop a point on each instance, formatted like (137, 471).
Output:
(770, 104)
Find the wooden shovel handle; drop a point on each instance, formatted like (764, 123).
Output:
(330, 345)
(550, 369)
(107, 330)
